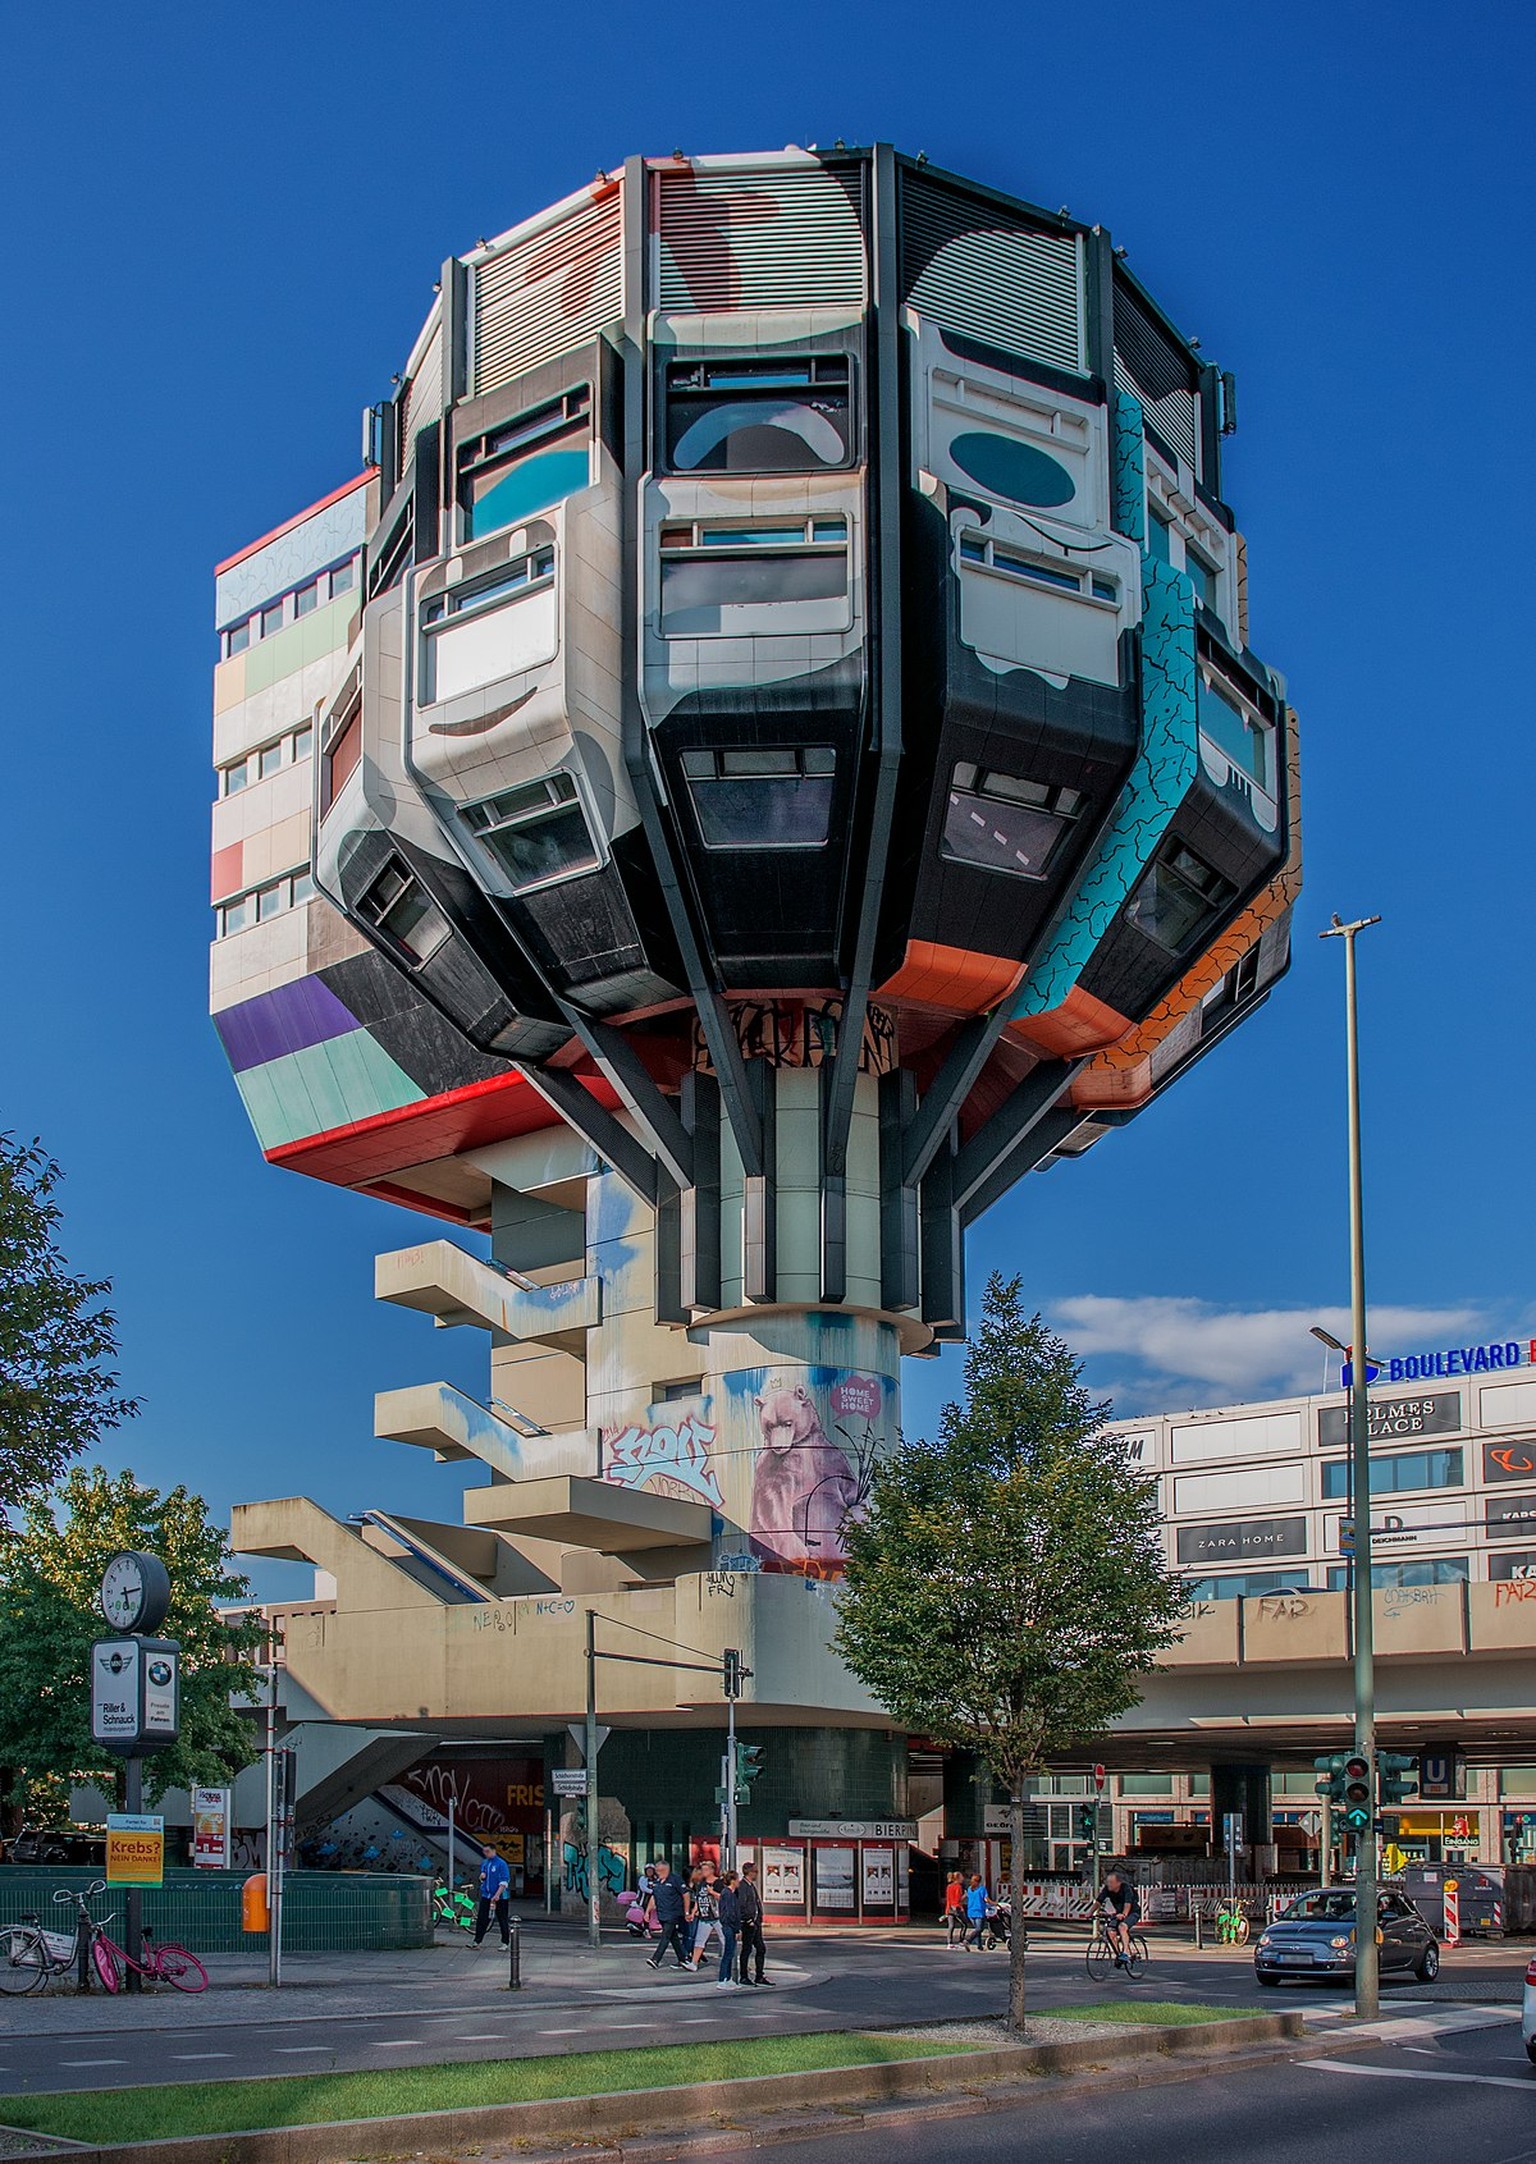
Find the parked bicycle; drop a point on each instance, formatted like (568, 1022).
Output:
(1232, 1925)
(163, 1962)
(29, 1955)
(455, 1907)
(1103, 1955)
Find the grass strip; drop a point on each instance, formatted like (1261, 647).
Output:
(109, 2116)
(1148, 2013)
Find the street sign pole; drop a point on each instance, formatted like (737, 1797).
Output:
(133, 1906)
(594, 1892)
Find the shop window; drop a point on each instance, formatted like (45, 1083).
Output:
(537, 834)
(751, 798)
(1248, 741)
(1177, 897)
(733, 581)
(784, 415)
(399, 905)
(1005, 824)
(1436, 1570)
(1397, 1475)
(526, 465)
(1247, 1584)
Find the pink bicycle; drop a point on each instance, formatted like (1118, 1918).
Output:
(164, 1962)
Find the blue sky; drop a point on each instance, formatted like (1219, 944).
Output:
(221, 231)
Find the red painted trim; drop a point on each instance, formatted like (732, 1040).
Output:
(369, 1151)
(411, 1198)
(288, 524)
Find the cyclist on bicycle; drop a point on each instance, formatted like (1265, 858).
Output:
(1122, 1913)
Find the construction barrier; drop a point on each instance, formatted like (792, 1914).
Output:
(1452, 1913)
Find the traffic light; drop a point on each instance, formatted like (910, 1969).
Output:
(1088, 1821)
(749, 1764)
(1330, 1776)
(1359, 1808)
(1396, 1776)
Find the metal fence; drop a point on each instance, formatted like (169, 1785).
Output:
(323, 1911)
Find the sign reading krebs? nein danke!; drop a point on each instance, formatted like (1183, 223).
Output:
(135, 1849)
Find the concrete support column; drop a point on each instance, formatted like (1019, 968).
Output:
(1246, 1790)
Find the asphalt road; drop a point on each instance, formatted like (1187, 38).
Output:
(1467, 2097)
(850, 1983)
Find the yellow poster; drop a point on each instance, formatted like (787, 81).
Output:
(135, 1849)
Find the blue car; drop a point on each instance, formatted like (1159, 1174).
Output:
(1315, 1936)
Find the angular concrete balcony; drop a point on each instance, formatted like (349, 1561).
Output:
(591, 1514)
(441, 1280)
(436, 1417)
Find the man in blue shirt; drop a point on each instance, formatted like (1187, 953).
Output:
(671, 1898)
(495, 1885)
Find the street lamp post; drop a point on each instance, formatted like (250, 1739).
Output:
(1367, 1966)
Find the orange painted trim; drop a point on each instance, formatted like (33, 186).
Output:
(288, 524)
(1079, 1025)
(951, 977)
(228, 871)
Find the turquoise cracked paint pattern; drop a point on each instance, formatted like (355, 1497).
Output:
(1165, 768)
(1128, 457)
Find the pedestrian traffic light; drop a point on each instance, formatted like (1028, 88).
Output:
(1359, 1809)
(1396, 1776)
(749, 1764)
(1330, 1776)
(1088, 1821)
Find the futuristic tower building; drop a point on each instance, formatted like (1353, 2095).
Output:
(766, 754)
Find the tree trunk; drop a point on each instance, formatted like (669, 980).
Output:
(1016, 1977)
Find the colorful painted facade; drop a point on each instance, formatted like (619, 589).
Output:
(765, 755)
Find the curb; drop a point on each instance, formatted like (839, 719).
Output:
(762, 2096)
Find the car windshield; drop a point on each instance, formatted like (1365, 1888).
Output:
(1335, 1906)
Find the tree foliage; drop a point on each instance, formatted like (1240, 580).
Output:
(50, 1573)
(58, 1344)
(1007, 1590)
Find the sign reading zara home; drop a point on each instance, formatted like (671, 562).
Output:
(1241, 1539)
(1394, 1419)
(135, 1849)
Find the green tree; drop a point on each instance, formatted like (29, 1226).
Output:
(50, 1572)
(1007, 1589)
(58, 1344)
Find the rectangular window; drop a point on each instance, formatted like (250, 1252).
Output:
(236, 777)
(784, 415)
(1248, 741)
(738, 581)
(271, 759)
(537, 834)
(342, 755)
(1159, 531)
(1397, 1475)
(302, 740)
(306, 599)
(489, 629)
(387, 567)
(1437, 1570)
(236, 915)
(755, 798)
(526, 465)
(271, 901)
(1003, 823)
(1247, 1585)
(303, 888)
(344, 577)
(1177, 897)
(400, 906)
(1062, 578)
(271, 619)
(1202, 576)
(237, 638)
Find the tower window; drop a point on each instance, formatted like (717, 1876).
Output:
(526, 464)
(780, 415)
(401, 908)
(754, 798)
(1177, 896)
(537, 834)
(1005, 824)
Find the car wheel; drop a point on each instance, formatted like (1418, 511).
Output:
(1428, 1967)
(1530, 2049)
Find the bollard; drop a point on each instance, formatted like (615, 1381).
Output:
(1198, 1942)
(515, 1956)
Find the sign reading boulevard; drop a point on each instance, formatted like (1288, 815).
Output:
(1492, 1358)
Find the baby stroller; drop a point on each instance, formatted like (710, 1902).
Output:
(999, 1923)
(636, 1922)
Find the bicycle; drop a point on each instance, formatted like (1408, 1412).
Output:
(1103, 1953)
(164, 1962)
(1232, 1926)
(29, 1955)
(455, 1908)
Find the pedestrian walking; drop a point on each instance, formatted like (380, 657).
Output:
(706, 1915)
(671, 1902)
(749, 1908)
(495, 1886)
(976, 1906)
(730, 1930)
(954, 1909)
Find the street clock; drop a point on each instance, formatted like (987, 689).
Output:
(135, 1591)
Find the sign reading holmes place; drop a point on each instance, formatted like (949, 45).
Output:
(1393, 1419)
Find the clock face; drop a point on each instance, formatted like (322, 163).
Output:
(122, 1592)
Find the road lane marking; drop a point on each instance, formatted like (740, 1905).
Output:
(93, 2062)
(190, 2055)
(399, 2043)
(301, 2051)
(1421, 2073)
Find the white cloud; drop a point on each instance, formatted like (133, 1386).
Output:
(1235, 1353)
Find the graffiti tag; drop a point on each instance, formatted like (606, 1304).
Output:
(1509, 1590)
(676, 1453)
(612, 1870)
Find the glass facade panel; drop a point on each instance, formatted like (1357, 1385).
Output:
(1396, 1475)
(771, 416)
(1433, 1570)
